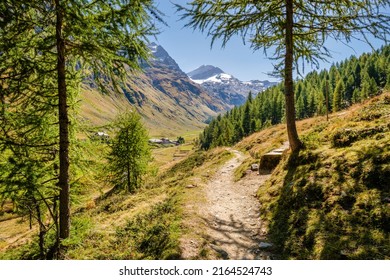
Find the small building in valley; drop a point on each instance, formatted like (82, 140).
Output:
(163, 141)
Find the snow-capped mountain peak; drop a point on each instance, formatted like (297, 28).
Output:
(226, 86)
(204, 72)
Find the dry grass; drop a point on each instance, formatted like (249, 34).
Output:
(15, 232)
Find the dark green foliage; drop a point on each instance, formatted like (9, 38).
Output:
(130, 152)
(180, 140)
(338, 96)
(246, 120)
(343, 82)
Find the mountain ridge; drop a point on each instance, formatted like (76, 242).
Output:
(162, 93)
(225, 86)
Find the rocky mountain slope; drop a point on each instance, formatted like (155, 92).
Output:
(225, 86)
(167, 99)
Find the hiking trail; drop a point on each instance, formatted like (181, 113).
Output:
(231, 213)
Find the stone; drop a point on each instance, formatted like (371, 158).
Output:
(270, 160)
(190, 186)
(254, 167)
(265, 245)
(222, 253)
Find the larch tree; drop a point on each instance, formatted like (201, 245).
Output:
(246, 119)
(130, 152)
(294, 31)
(28, 134)
(64, 42)
(338, 96)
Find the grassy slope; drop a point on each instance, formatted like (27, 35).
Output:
(168, 109)
(98, 110)
(332, 203)
(147, 224)
(143, 225)
(327, 203)
(332, 200)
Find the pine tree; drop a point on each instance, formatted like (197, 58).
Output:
(296, 31)
(338, 96)
(250, 97)
(311, 104)
(349, 89)
(60, 43)
(368, 86)
(28, 166)
(130, 152)
(246, 120)
(357, 74)
(300, 108)
(387, 85)
(320, 101)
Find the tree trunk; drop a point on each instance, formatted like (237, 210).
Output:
(327, 99)
(128, 167)
(63, 182)
(128, 176)
(2, 102)
(42, 231)
(295, 143)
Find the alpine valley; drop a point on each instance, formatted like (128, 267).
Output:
(170, 101)
(110, 151)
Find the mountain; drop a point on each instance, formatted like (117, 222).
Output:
(225, 86)
(204, 72)
(168, 100)
(161, 58)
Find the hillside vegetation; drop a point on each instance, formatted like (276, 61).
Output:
(329, 202)
(107, 224)
(348, 82)
(332, 200)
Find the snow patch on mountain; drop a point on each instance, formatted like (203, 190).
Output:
(220, 78)
(153, 47)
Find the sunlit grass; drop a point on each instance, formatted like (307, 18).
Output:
(328, 202)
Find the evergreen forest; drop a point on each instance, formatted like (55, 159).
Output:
(318, 93)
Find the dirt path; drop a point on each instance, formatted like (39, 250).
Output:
(231, 213)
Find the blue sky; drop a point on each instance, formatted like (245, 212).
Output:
(191, 49)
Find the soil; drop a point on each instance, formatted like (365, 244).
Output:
(230, 214)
